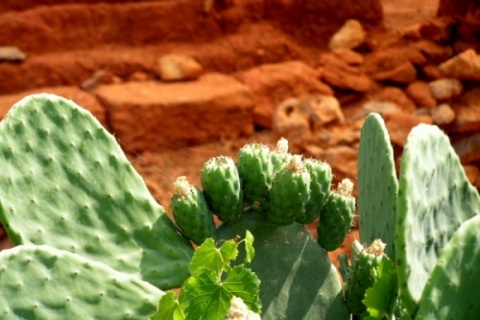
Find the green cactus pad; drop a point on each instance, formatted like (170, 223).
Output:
(320, 183)
(41, 282)
(435, 198)
(453, 290)
(290, 192)
(65, 182)
(191, 212)
(362, 275)
(298, 280)
(377, 184)
(336, 217)
(255, 169)
(222, 188)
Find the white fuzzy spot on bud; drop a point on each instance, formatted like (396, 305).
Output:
(296, 164)
(282, 146)
(377, 248)
(182, 186)
(345, 187)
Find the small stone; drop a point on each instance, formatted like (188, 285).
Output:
(404, 73)
(442, 114)
(8, 53)
(446, 88)
(380, 107)
(345, 80)
(420, 94)
(350, 36)
(467, 110)
(432, 72)
(99, 77)
(174, 67)
(396, 95)
(349, 56)
(437, 30)
(464, 66)
(434, 52)
(139, 76)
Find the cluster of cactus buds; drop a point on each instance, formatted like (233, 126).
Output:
(285, 188)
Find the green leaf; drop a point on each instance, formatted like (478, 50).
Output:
(249, 249)
(229, 251)
(208, 256)
(243, 283)
(168, 309)
(381, 296)
(209, 299)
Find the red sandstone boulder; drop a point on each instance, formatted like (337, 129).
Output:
(154, 115)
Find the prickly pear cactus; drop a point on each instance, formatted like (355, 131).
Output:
(362, 275)
(298, 280)
(435, 198)
(191, 212)
(336, 217)
(454, 286)
(290, 192)
(255, 169)
(65, 182)
(44, 283)
(377, 184)
(222, 188)
(320, 183)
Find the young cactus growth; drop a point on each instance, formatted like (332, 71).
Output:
(362, 275)
(320, 183)
(336, 216)
(280, 156)
(290, 192)
(191, 212)
(255, 169)
(222, 188)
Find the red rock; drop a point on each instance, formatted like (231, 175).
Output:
(349, 56)
(333, 62)
(153, 115)
(399, 126)
(395, 95)
(420, 94)
(473, 174)
(175, 67)
(350, 36)
(468, 148)
(432, 72)
(445, 88)
(404, 73)
(434, 52)
(82, 98)
(343, 159)
(442, 114)
(464, 66)
(437, 30)
(344, 80)
(273, 83)
(467, 110)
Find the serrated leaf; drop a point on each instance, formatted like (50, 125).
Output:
(243, 283)
(381, 296)
(207, 255)
(229, 251)
(249, 249)
(209, 298)
(168, 309)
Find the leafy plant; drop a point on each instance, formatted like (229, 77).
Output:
(208, 292)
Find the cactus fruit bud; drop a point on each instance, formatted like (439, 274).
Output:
(336, 216)
(191, 211)
(362, 275)
(321, 181)
(290, 192)
(222, 188)
(256, 172)
(280, 155)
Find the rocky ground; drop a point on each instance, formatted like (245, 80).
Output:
(171, 113)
